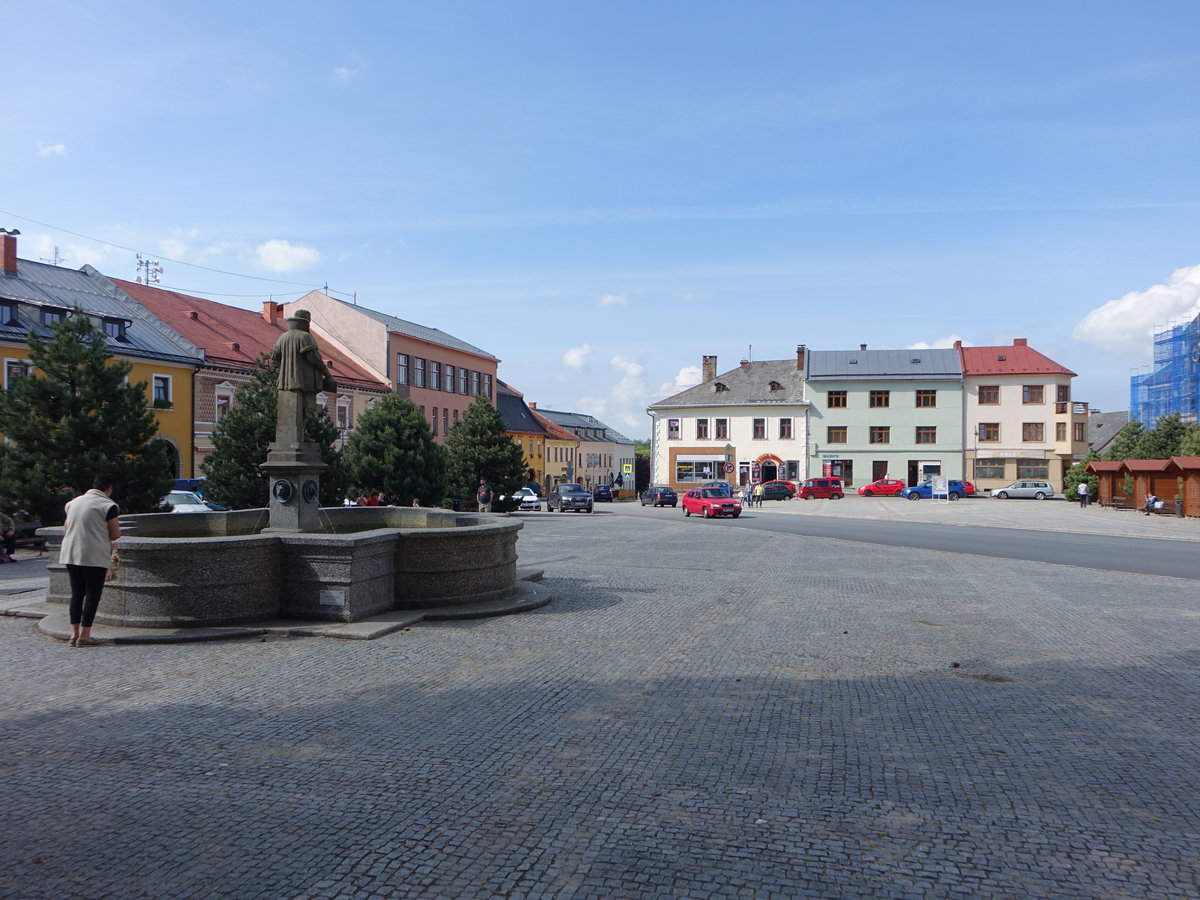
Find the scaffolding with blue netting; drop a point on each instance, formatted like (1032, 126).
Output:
(1172, 385)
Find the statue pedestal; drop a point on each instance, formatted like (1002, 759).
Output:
(295, 493)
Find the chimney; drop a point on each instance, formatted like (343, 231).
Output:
(862, 346)
(272, 311)
(1020, 342)
(800, 350)
(533, 406)
(745, 364)
(708, 365)
(10, 253)
(958, 345)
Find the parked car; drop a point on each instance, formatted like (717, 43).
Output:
(183, 502)
(602, 492)
(527, 499)
(659, 495)
(724, 486)
(821, 489)
(569, 496)
(884, 487)
(778, 490)
(1036, 490)
(710, 502)
(924, 491)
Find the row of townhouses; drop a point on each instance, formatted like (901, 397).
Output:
(990, 414)
(194, 355)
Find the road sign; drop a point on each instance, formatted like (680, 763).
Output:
(627, 468)
(728, 468)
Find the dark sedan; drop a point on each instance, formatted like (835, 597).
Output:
(602, 492)
(660, 495)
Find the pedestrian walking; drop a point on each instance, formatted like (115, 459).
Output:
(758, 494)
(1084, 491)
(484, 496)
(88, 551)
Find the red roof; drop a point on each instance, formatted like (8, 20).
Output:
(1186, 462)
(234, 338)
(1103, 465)
(1019, 359)
(553, 430)
(1146, 465)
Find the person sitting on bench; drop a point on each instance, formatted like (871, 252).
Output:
(1151, 504)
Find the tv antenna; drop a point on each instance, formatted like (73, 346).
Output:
(150, 267)
(57, 260)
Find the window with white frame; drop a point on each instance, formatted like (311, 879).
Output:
(14, 369)
(161, 386)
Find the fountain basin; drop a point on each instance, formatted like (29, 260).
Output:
(219, 568)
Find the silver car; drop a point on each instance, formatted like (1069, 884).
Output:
(1036, 490)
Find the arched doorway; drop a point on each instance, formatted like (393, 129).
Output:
(172, 457)
(768, 467)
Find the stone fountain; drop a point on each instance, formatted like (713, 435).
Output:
(340, 565)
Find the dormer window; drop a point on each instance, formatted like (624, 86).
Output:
(8, 313)
(53, 316)
(114, 328)
(775, 386)
(720, 388)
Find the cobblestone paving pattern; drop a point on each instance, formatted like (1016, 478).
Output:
(703, 712)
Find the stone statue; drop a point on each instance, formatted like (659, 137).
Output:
(302, 375)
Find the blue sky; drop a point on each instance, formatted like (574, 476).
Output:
(600, 194)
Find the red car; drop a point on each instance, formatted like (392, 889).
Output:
(884, 487)
(710, 502)
(968, 487)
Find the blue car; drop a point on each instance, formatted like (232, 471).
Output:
(723, 486)
(924, 490)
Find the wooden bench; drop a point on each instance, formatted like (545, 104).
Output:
(26, 533)
(1119, 503)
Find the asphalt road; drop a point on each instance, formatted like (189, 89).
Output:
(1114, 553)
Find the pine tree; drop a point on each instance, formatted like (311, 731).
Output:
(392, 450)
(242, 438)
(477, 447)
(74, 416)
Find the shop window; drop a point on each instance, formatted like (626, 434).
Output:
(989, 468)
(1033, 468)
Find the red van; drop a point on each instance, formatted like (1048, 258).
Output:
(821, 488)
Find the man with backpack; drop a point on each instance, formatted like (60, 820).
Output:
(484, 496)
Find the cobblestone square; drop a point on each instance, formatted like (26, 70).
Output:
(702, 712)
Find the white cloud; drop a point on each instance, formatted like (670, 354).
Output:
(688, 376)
(577, 357)
(625, 404)
(45, 150)
(1126, 325)
(938, 344)
(343, 74)
(284, 256)
(614, 300)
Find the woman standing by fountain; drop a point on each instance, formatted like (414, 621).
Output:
(87, 551)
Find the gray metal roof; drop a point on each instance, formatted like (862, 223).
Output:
(421, 332)
(1103, 428)
(577, 422)
(516, 413)
(748, 384)
(892, 364)
(37, 286)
